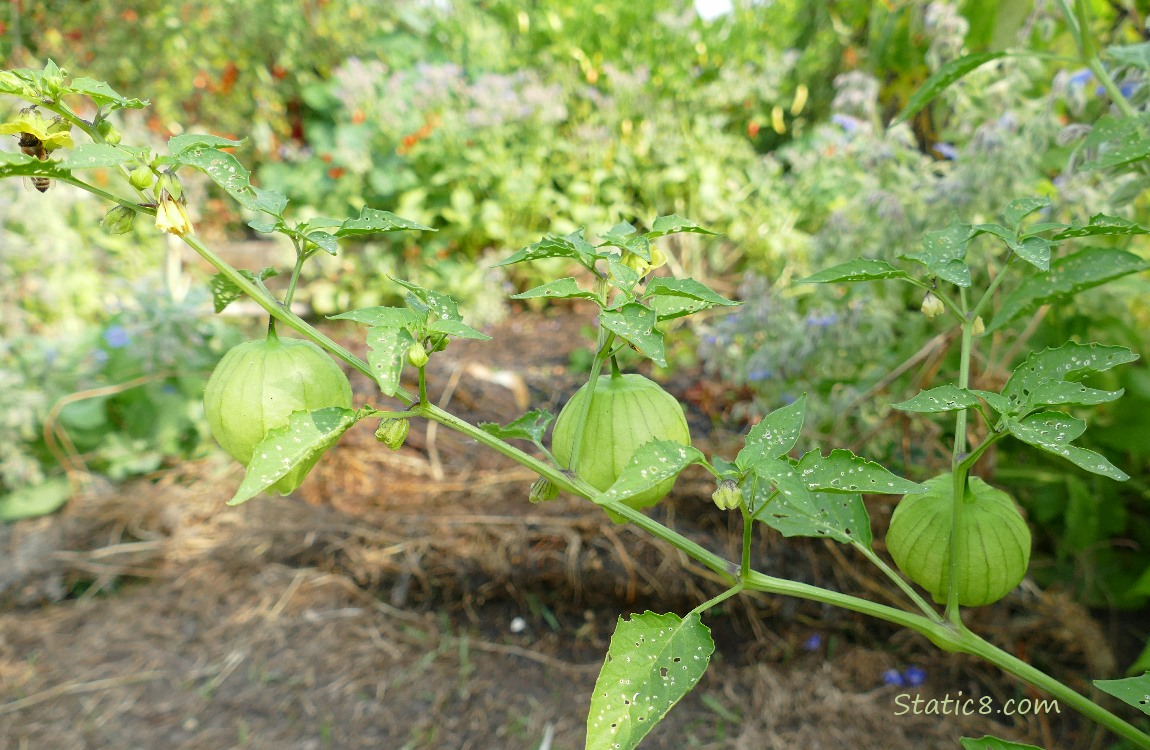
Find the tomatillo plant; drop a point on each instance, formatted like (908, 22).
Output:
(279, 404)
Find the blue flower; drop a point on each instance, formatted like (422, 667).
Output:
(946, 151)
(813, 643)
(846, 122)
(892, 677)
(1079, 78)
(116, 337)
(759, 374)
(822, 321)
(913, 676)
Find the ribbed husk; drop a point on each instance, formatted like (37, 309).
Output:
(626, 412)
(995, 546)
(256, 387)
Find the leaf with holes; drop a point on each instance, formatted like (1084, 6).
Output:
(374, 221)
(97, 155)
(652, 463)
(673, 224)
(531, 426)
(1048, 377)
(1020, 208)
(843, 471)
(552, 246)
(652, 662)
(775, 435)
(227, 172)
(943, 252)
(1117, 141)
(424, 301)
(859, 269)
(1067, 276)
(1133, 690)
(1033, 250)
(674, 298)
(1101, 225)
(635, 324)
(293, 449)
(796, 511)
(225, 292)
(383, 317)
(565, 288)
(386, 353)
(947, 397)
(1052, 432)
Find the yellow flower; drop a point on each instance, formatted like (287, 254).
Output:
(172, 216)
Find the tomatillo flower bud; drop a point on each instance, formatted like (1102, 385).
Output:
(932, 306)
(141, 178)
(728, 496)
(109, 132)
(978, 326)
(392, 432)
(543, 490)
(118, 220)
(417, 355)
(171, 185)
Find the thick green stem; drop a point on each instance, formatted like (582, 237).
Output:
(898, 580)
(300, 257)
(959, 470)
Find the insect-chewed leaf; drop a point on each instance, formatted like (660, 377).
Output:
(374, 221)
(941, 79)
(177, 144)
(1067, 276)
(859, 269)
(1045, 378)
(456, 329)
(796, 511)
(996, 401)
(674, 298)
(324, 241)
(652, 662)
(226, 171)
(993, 743)
(651, 464)
(424, 301)
(775, 434)
(297, 446)
(1033, 250)
(531, 426)
(94, 155)
(943, 252)
(843, 471)
(1134, 691)
(382, 317)
(564, 288)
(1020, 208)
(1101, 225)
(104, 95)
(1052, 431)
(552, 246)
(20, 165)
(1118, 140)
(673, 224)
(635, 324)
(947, 397)
(225, 292)
(386, 352)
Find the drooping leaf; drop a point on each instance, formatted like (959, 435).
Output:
(1101, 225)
(775, 434)
(651, 464)
(531, 426)
(796, 511)
(635, 324)
(95, 155)
(944, 398)
(843, 471)
(387, 348)
(565, 288)
(943, 252)
(652, 662)
(673, 224)
(941, 80)
(1048, 377)
(1118, 141)
(374, 221)
(1134, 691)
(1052, 432)
(224, 292)
(297, 446)
(552, 246)
(993, 743)
(1067, 276)
(859, 269)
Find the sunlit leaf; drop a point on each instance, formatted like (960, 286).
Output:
(796, 511)
(1101, 225)
(93, 155)
(651, 464)
(225, 292)
(635, 324)
(859, 269)
(673, 224)
(374, 221)
(993, 743)
(1020, 208)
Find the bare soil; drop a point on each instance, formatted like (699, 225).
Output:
(375, 608)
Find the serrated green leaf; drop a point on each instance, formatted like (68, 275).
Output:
(1053, 431)
(674, 298)
(177, 144)
(570, 246)
(265, 226)
(1134, 691)
(1003, 233)
(1044, 226)
(224, 292)
(94, 155)
(1067, 276)
(19, 165)
(1049, 377)
(941, 80)
(1034, 250)
(635, 324)
(944, 398)
(383, 317)
(996, 401)
(386, 353)
(993, 743)
(531, 426)
(859, 269)
(1118, 141)
(622, 276)
(943, 251)
(374, 221)
(652, 662)
(424, 301)
(456, 329)
(324, 241)
(1101, 225)
(651, 464)
(775, 435)
(843, 471)
(294, 448)
(673, 224)
(796, 511)
(565, 288)
(1019, 209)
(104, 95)
(226, 171)
(619, 233)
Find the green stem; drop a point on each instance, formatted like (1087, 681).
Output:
(423, 385)
(104, 194)
(748, 538)
(713, 601)
(907, 589)
(299, 259)
(959, 470)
